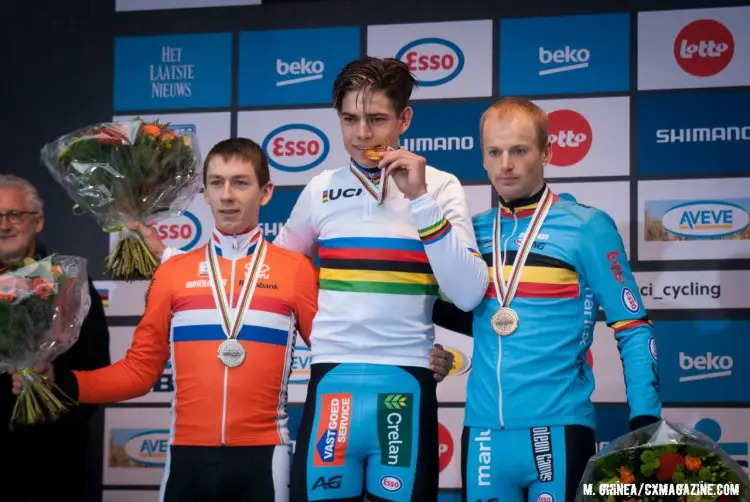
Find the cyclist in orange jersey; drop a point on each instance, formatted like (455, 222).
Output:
(227, 314)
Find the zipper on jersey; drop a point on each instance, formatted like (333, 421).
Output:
(226, 370)
(500, 338)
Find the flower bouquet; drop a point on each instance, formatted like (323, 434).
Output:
(125, 172)
(42, 307)
(663, 461)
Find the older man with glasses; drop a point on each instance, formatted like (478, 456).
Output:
(61, 446)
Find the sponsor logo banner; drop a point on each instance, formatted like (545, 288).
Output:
(612, 197)
(395, 428)
(173, 71)
(450, 428)
(564, 55)
(136, 442)
(453, 388)
(589, 137)
(705, 220)
(693, 48)
(274, 214)
(123, 298)
(299, 143)
(287, 67)
(604, 359)
(449, 60)
(132, 5)
(704, 289)
(120, 340)
(694, 133)
(447, 135)
(701, 361)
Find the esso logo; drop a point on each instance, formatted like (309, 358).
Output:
(590, 358)
(433, 61)
(629, 301)
(545, 497)
(570, 137)
(704, 48)
(445, 448)
(391, 483)
(296, 147)
(183, 232)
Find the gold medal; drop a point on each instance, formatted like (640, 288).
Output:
(505, 321)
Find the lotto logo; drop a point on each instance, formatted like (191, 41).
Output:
(704, 48)
(570, 137)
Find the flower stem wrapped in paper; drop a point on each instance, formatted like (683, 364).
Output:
(126, 172)
(663, 461)
(42, 307)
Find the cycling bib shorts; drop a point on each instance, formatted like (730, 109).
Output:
(367, 429)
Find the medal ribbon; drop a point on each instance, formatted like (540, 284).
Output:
(380, 191)
(232, 323)
(506, 290)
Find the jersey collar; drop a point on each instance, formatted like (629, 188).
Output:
(521, 208)
(372, 173)
(234, 246)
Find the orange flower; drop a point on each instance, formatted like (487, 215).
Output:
(668, 463)
(626, 476)
(693, 463)
(168, 136)
(151, 130)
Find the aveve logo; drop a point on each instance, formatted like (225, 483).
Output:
(183, 232)
(148, 447)
(296, 147)
(570, 136)
(705, 219)
(704, 48)
(445, 448)
(433, 61)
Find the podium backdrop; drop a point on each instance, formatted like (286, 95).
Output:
(649, 118)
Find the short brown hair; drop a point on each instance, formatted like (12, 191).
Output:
(246, 150)
(510, 105)
(376, 74)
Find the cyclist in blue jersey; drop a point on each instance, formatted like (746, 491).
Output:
(529, 424)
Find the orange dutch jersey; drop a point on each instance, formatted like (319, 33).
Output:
(214, 404)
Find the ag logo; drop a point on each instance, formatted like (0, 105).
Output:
(445, 448)
(433, 61)
(296, 147)
(183, 232)
(332, 483)
(570, 137)
(704, 48)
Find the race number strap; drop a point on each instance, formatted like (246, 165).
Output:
(507, 290)
(379, 191)
(232, 318)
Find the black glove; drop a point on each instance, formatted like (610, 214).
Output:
(642, 421)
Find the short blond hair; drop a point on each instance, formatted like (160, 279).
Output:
(511, 105)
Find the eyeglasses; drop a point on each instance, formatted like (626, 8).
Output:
(16, 217)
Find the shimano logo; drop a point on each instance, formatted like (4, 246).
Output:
(438, 144)
(707, 366)
(566, 59)
(297, 72)
(703, 134)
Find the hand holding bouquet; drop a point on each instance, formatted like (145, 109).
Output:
(42, 307)
(676, 462)
(126, 172)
